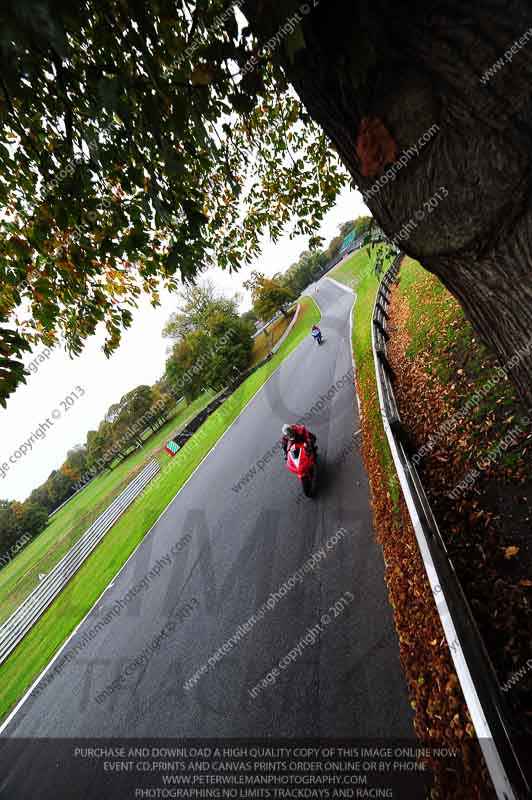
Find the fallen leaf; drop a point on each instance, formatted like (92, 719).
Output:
(511, 551)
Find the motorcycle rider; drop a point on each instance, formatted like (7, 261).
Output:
(316, 333)
(297, 434)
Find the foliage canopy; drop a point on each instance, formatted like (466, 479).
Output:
(136, 148)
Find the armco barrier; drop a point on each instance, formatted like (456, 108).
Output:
(501, 739)
(266, 325)
(26, 615)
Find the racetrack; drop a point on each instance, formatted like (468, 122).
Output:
(238, 545)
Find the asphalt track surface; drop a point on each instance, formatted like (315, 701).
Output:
(240, 546)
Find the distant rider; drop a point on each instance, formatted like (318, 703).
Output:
(297, 434)
(316, 333)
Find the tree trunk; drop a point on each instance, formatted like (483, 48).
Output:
(383, 79)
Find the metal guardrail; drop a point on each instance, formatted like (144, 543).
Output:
(266, 325)
(501, 739)
(26, 615)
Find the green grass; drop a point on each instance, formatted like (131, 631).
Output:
(445, 340)
(359, 273)
(353, 271)
(44, 639)
(20, 576)
(436, 322)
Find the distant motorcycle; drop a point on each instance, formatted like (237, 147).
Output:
(301, 460)
(317, 336)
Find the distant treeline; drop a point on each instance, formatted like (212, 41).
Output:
(118, 433)
(311, 263)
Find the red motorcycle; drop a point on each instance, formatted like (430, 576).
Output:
(301, 460)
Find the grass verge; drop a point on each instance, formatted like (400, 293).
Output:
(42, 642)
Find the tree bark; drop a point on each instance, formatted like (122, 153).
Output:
(406, 67)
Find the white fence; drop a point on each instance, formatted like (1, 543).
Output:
(29, 612)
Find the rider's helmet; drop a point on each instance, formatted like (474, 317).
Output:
(288, 430)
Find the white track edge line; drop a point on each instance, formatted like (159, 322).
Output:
(351, 322)
(340, 285)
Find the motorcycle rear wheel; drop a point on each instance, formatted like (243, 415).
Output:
(310, 482)
(307, 486)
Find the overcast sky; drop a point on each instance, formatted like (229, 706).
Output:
(140, 359)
